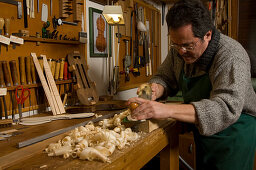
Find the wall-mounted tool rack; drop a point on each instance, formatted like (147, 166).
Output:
(56, 48)
(151, 17)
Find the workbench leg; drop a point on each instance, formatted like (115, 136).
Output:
(169, 156)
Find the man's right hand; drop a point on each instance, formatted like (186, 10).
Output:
(157, 91)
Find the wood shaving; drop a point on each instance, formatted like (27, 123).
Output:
(92, 142)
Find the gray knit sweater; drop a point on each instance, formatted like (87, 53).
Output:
(229, 71)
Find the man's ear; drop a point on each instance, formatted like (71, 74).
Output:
(208, 35)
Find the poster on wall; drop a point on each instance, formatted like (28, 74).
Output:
(98, 34)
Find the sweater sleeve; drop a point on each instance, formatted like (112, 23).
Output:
(230, 79)
(166, 76)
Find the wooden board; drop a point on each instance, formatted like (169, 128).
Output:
(53, 87)
(47, 91)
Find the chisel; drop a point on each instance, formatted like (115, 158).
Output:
(33, 75)
(22, 70)
(1, 28)
(2, 84)
(1, 75)
(28, 70)
(65, 72)
(62, 62)
(6, 28)
(15, 81)
(33, 72)
(7, 83)
(29, 79)
(53, 67)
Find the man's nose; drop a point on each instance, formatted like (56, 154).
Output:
(182, 51)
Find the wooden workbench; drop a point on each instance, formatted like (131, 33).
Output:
(163, 140)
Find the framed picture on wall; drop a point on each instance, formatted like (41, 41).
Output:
(98, 34)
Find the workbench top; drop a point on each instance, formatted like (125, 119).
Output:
(131, 157)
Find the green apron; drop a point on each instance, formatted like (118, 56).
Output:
(230, 149)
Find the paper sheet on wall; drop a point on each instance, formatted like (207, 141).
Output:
(44, 13)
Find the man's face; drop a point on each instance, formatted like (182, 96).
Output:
(188, 46)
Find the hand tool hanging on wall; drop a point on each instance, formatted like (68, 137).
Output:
(152, 40)
(57, 70)
(2, 84)
(1, 25)
(32, 8)
(58, 22)
(6, 29)
(15, 80)
(1, 29)
(34, 80)
(22, 70)
(127, 62)
(116, 65)
(131, 34)
(86, 89)
(21, 97)
(53, 67)
(62, 62)
(25, 14)
(7, 83)
(136, 58)
(38, 6)
(45, 32)
(17, 3)
(28, 77)
(6, 26)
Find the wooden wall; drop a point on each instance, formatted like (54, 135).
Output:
(135, 81)
(55, 49)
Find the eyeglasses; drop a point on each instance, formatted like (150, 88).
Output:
(185, 48)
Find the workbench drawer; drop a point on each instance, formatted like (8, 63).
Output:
(187, 149)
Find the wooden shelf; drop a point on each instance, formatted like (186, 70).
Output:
(39, 84)
(47, 40)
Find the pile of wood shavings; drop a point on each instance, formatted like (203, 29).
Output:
(91, 142)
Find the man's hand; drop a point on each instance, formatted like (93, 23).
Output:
(149, 109)
(157, 91)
